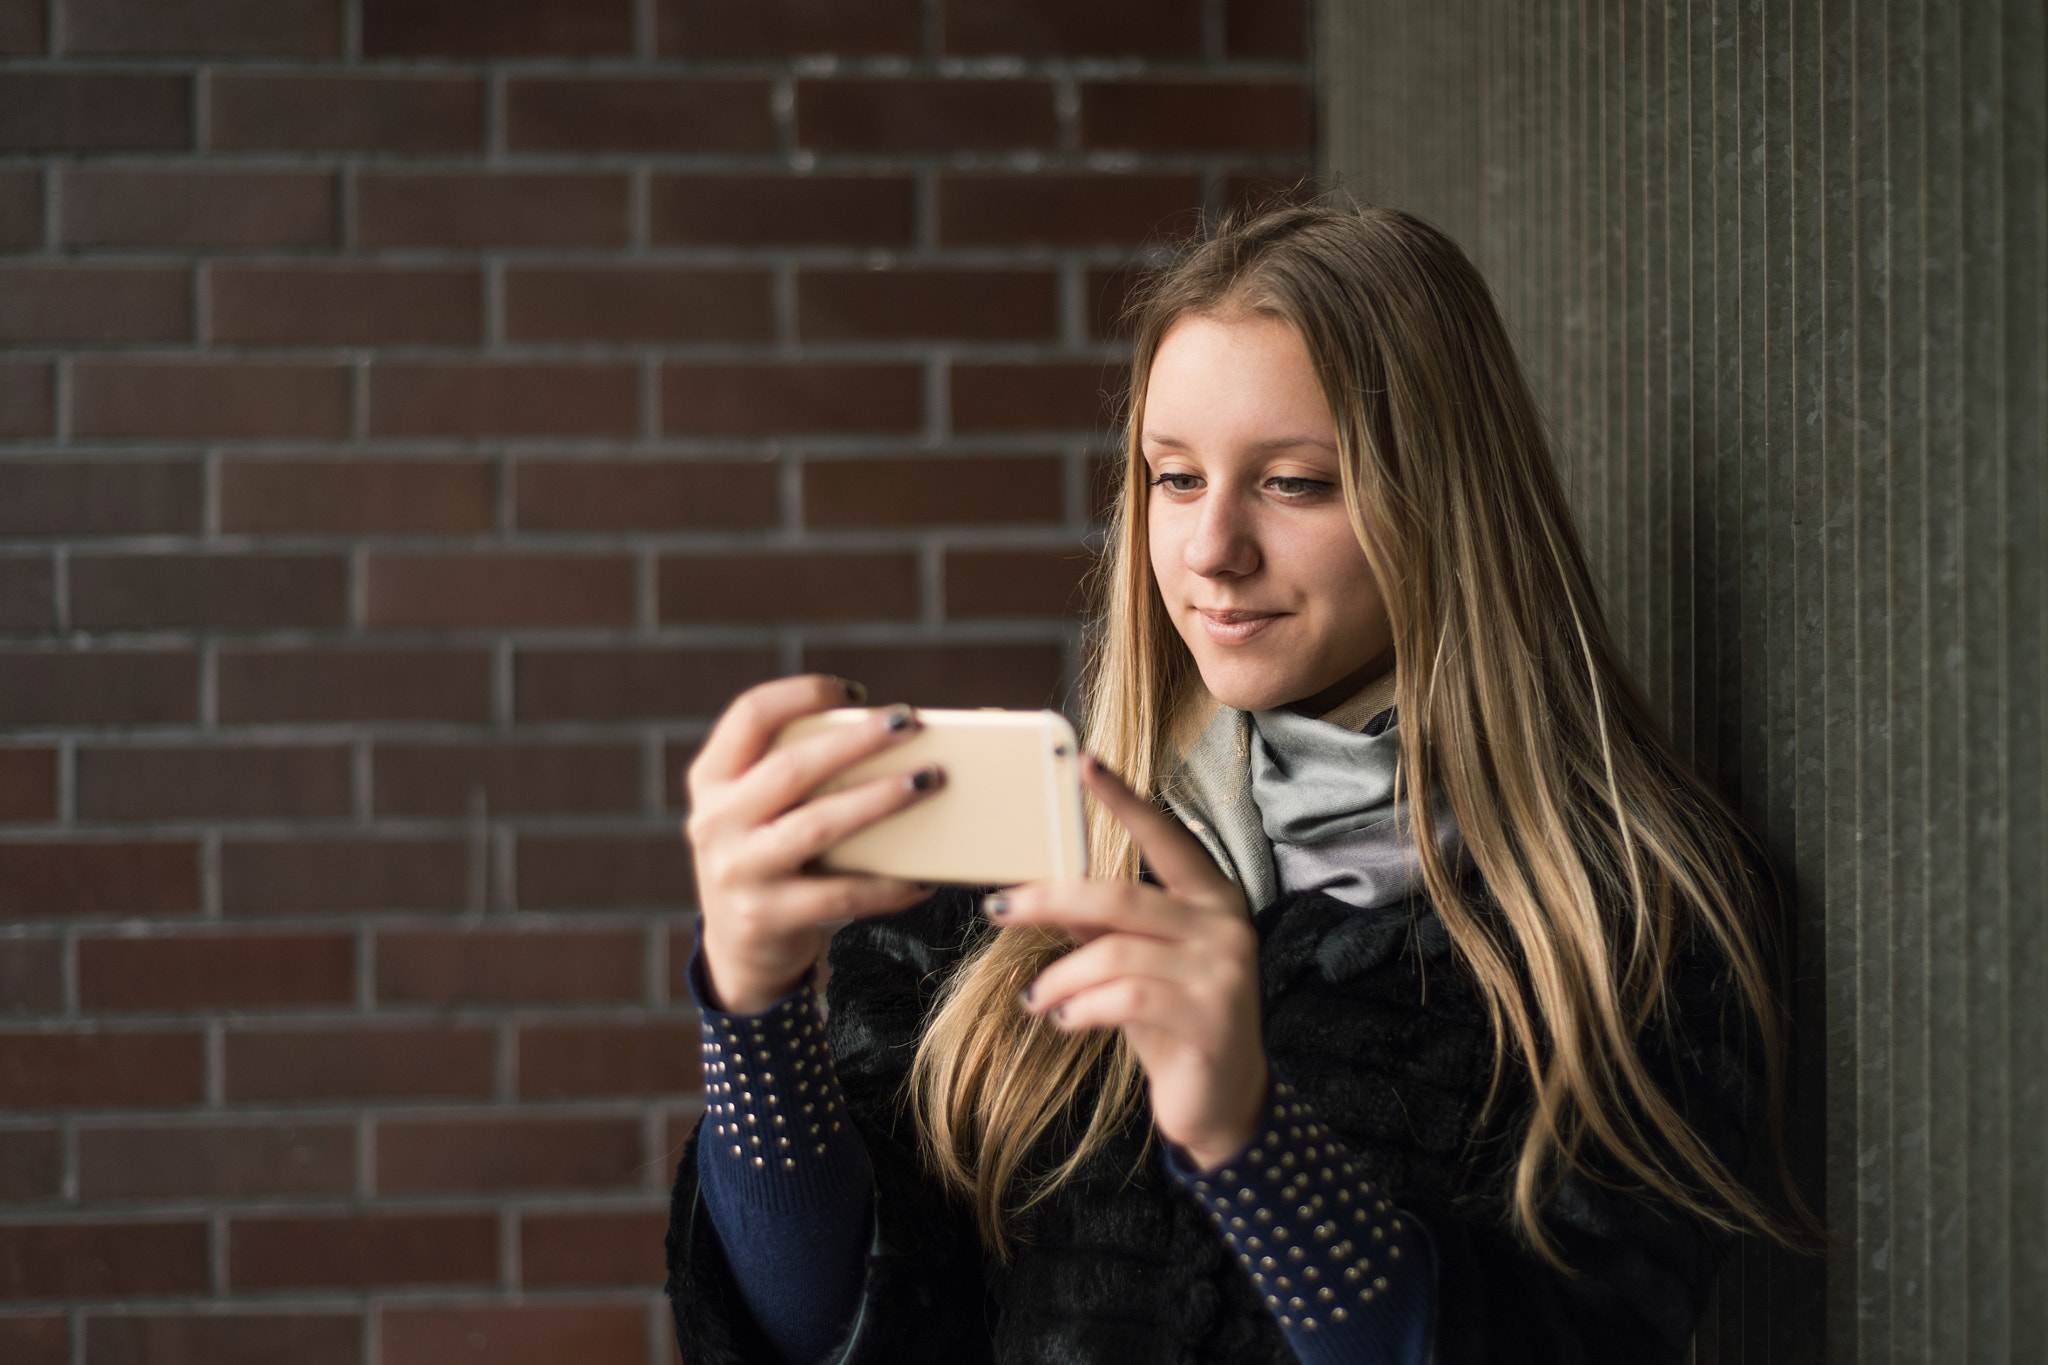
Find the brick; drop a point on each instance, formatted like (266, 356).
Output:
(1268, 30)
(1024, 676)
(31, 1167)
(776, 28)
(95, 111)
(530, 1334)
(497, 28)
(1161, 29)
(27, 583)
(1016, 582)
(472, 967)
(95, 303)
(98, 689)
(611, 1247)
(166, 399)
(24, 31)
(505, 779)
(76, 497)
(682, 937)
(644, 495)
(342, 876)
(345, 113)
(782, 210)
(445, 1062)
(395, 209)
(1254, 117)
(215, 972)
(28, 784)
(1066, 210)
(217, 1161)
(758, 587)
(924, 115)
(303, 1337)
(741, 400)
(638, 684)
(967, 305)
(199, 208)
(26, 406)
(44, 1339)
(193, 783)
(21, 210)
(1078, 395)
(267, 686)
(290, 305)
(102, 880)
(572, 1061)
(97, 1260)
(602, 872)
(215, 28)
(96, 1069)
(492, 589)
(361, 1251)
(450, 1156)
(31, 980)
(357, 495)
(638, 305)
(214, 592)
(504, 400)
(627, 114)
(934, 491)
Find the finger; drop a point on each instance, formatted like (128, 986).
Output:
(821, 900)
(1132, 1002)
(750, 723)
(785, 777)
(1096, 905)
(1107, 959)
(1170, 851)
(799, 835)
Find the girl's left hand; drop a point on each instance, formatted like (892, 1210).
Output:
(1175, 966)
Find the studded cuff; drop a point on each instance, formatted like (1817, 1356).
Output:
(775, 1119)
(1347, 1275)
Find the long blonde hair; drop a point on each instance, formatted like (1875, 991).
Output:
(1601, 857)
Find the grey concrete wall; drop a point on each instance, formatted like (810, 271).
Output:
(1778, 271)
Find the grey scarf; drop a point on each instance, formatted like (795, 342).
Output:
(1327, 799)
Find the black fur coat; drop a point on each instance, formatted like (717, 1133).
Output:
(1368, 1015)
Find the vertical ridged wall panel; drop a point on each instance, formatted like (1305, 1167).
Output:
(1779, 272)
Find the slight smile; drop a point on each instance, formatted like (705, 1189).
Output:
(1236, 627)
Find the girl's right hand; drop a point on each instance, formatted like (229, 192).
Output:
(751, 832)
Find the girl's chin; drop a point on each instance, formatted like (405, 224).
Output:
(1244, 689)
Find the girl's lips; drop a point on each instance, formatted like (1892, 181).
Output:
(1236, 627)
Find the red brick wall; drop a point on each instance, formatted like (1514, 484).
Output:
(416, 418)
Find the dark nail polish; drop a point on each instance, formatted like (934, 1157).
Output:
(996, 906)
(1059, 1016)
(855, 693)
(1024, 997)
(900, 718)
(926, 779)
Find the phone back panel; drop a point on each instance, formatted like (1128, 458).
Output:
(1010, 810)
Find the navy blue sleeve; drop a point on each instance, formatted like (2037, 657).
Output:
(784, 1177)
(1350, 1278)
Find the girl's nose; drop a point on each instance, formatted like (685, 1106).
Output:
(1222, 542)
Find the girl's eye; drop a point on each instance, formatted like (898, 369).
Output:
(1178, 483)
(1298, 488)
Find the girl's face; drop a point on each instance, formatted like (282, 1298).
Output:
(1250, 544)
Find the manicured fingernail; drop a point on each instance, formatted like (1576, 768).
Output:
(995, 907)
(927, 779)
(855, 693)
(1059, 1016)
(1024, 999)
(899, 718)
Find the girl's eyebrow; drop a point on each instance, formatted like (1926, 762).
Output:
(1275, 443)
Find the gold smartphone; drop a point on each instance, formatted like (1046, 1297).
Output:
(1010, 810)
